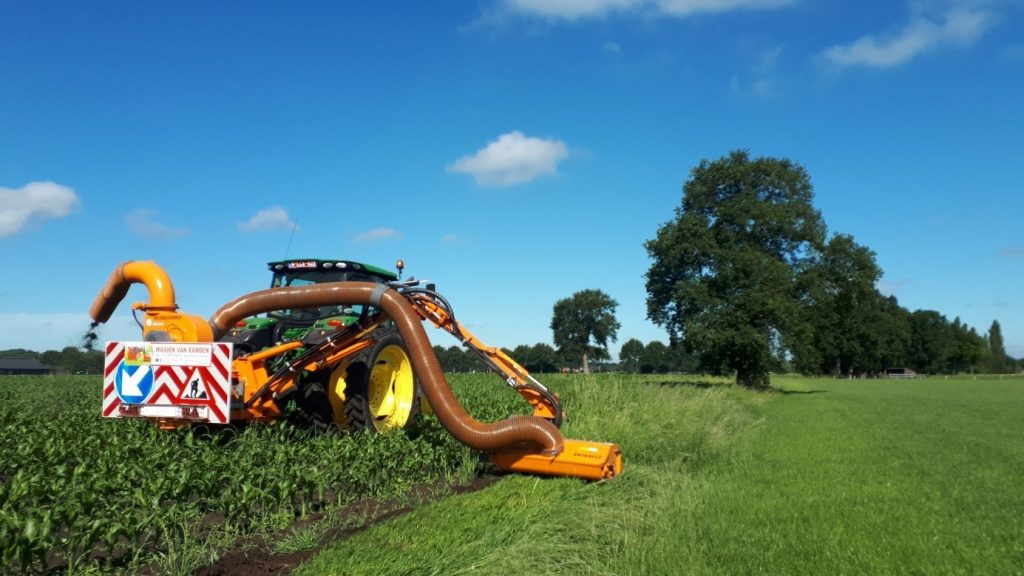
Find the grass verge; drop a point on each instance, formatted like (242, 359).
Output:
(526, 524)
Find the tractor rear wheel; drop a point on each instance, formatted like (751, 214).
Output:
(315, 410)
(385, 394)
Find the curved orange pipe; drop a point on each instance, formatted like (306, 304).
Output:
(158, 283)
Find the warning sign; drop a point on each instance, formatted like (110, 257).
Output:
(133, 383)
(196, 388)
(176, 380)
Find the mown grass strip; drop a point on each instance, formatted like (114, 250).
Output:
(874, 477)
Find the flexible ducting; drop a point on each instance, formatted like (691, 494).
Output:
(508, 433)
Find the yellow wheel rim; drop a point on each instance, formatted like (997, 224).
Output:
(336, 393)
(392, 389)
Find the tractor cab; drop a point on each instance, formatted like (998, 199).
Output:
(294, 273)
(315, 271)
(255, 333)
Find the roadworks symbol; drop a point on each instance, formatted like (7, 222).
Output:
(195, 389)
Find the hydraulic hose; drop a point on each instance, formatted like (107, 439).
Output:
(161, 291)
(504, 434)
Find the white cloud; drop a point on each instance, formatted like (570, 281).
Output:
(32, 202)
(378, 234)
(579, 9)
(570, 9)
(688, 7)
(513, 158)
(140, 222)
(451, 239)
(958, 26)
(612, 47)
(267, 220)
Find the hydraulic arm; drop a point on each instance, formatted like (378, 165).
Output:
(432, 307)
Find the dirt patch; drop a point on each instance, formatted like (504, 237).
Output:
(258, 558)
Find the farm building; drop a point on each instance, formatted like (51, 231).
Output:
(900, 373)
(23, 366)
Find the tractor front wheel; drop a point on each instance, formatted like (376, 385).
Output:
(385, 395)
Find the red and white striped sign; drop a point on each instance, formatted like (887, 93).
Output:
(173, 380)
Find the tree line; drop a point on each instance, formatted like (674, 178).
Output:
(746, 280)
(652, 358)
(70, 360)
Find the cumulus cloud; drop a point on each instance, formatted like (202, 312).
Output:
(957, 26)
(513, 158)
(378, 234)
(688, 7)
(140, 221)
(33, 202)
(268, 220)
(571, 10)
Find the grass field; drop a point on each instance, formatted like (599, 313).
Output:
(820, 477)
(829, 477)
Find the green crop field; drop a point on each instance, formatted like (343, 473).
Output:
(828, 476)
(80, 493)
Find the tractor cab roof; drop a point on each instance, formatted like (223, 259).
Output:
(322, 265)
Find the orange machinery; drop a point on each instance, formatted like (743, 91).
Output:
(387, 343)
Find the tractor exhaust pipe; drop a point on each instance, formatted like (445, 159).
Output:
(487, 437)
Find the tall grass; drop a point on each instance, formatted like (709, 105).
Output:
(544, 525)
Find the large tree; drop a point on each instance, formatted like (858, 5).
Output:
(969, 349)
(656, 359)
(583, 324)
(724, 273)
(932, 342)
(539, 358)
(995, 344)
(840, 333)
(629, 355)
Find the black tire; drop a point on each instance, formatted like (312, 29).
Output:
(314, 407)
(383, 393)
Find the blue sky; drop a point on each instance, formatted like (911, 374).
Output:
(514, 152)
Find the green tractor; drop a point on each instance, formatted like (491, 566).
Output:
(374, 390)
